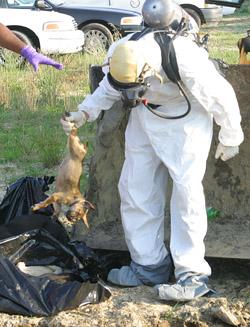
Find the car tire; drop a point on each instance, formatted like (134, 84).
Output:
(98, 38)
(195, 16)
(8, 57)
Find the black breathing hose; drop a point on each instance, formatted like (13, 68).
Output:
(161, 115)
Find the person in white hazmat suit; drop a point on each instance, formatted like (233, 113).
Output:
(155, 147)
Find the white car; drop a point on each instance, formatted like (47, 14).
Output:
(51, 32)
(228, 11)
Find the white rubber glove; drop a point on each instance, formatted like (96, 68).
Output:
(75, 119)
(226, 152)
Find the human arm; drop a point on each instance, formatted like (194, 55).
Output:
(11, 42)
(101, 99)
(105, 95)
(212, 91)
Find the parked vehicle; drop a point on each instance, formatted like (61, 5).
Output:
(201, 12)
(228, 11)
(101, 26)
(50, 32)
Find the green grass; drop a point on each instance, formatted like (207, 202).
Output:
(224, 37)
(31, 104)
(30, 109)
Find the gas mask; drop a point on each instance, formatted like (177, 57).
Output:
(131, 93)
(130, 74)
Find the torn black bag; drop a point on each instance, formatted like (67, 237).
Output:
(21, 195)
(79, 283)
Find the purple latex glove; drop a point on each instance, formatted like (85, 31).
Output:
(35, 58)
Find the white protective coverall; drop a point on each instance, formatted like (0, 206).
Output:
(156, 146)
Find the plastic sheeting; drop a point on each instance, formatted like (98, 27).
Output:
(39, 240)
(44, 296)
(38, 247)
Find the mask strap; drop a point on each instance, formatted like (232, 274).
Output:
(141, 77)
(145, 69)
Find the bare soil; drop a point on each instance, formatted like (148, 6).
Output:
(140, 307)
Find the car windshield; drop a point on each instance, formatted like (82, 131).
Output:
(83, 2)
(17, 3)
(57, 2)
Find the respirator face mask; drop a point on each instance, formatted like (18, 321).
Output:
(134, 93)
(131, 93)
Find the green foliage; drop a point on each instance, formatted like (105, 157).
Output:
(244, 9)
(31, 104)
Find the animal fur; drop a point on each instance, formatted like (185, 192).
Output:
(68, 183)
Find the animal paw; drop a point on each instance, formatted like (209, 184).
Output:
(35, 207)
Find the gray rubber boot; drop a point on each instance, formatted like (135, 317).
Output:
(123, 277)
(135, 274)
(188, 287)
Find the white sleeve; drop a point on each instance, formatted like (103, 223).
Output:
(102, 99)
(210, 88)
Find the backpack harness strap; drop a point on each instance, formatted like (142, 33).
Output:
(169, 65)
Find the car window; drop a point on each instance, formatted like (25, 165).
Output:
(18, 3)
(91, 2)
(59, 2)
(134, 5)
(229, 3)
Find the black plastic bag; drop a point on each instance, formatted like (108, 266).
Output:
(44, 296)
(21, 195)
(39, 248)
(38, 240)
(25, 223)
